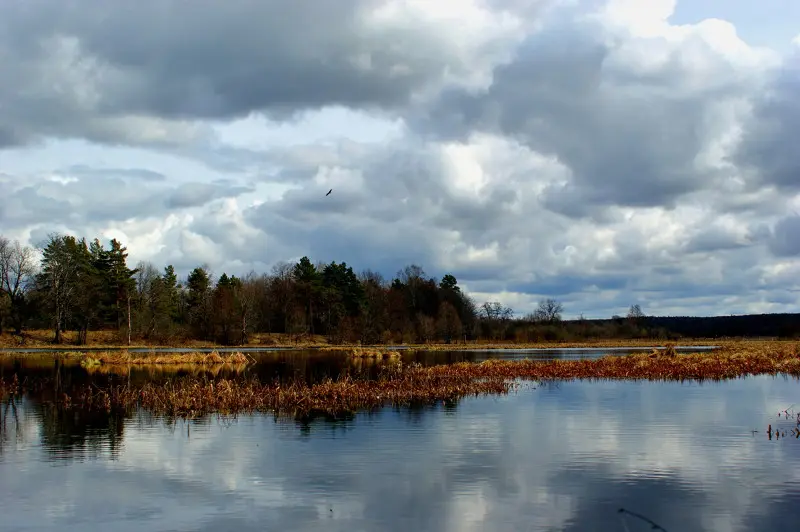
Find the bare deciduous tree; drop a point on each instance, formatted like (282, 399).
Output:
(17, 267)
(548, 311)
(493, 310)
(496, 317)
(635, 313)
(448, 322)
(245, 293)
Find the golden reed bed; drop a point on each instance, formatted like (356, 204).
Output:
(123, 358)
(193, 396)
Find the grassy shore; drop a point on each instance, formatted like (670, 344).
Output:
(114, 340)
(191, 396)
(100, 340)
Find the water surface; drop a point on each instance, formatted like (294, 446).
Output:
(564, 456)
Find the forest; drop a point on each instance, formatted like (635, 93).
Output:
(72, 284)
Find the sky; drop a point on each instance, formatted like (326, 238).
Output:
(601, 152)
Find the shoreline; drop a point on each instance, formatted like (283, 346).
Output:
(9, 344)
(704, 345)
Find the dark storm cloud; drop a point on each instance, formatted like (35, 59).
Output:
(10, 138)
(785, 241)
(769, 143)
(208, 60)
(563, 285)
(713, 239)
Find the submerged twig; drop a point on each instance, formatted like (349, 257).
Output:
(653, 524)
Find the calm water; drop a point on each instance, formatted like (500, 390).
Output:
(558, 457)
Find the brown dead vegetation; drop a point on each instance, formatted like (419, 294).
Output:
(363, 352)
(125, 358)
(115, 340)
(158, 371)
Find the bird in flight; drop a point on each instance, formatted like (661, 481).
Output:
(329, 193)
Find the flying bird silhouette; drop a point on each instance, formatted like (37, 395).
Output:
(329, 193)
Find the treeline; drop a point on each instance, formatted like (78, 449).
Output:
(71, 284)
(82, 286)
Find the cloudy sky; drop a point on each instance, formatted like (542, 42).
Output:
(603, 152)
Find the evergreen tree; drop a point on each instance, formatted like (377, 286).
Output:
(309, 287)
(198, 286)
(57, 281)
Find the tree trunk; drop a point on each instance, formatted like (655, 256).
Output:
(244, 329)
(129, 319)
(57, 337)
(16, 315)
(83, 331)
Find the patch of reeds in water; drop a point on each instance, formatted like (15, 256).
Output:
(365, 352)
(586, 344)
(731, 361)
(193, 396)
(162, 370)
(125, 358)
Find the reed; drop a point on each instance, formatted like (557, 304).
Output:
(125, 358)
(636, 342)
(366, 352)
(157, 371)
(730, 361)
(193, 396)
(362, 352)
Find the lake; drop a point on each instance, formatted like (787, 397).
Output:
(561, 456)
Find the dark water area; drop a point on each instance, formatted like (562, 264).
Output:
(561, 456)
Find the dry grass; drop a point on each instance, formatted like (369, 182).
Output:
(569, 345)
(114, 340)
(363, 352)
(193, 396)
(158, 371)
(125, 358)
(730, 361)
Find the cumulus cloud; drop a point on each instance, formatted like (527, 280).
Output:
(588, 150)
